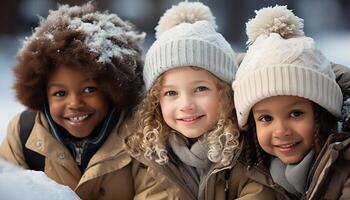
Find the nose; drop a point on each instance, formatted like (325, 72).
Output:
(187, 103)
(74, 101)
(281, 129)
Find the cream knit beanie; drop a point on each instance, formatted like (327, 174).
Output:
(186, 36)
(282, 61)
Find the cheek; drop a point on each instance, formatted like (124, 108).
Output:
(213, 107)
(309, 133)
(55, 110)
(167, 111)
(100, 104)
(263, 139)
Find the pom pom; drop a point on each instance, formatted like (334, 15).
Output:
(184, 12)
(276, 19)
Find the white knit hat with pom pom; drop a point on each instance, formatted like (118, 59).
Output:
(186, 36)
(282, 61)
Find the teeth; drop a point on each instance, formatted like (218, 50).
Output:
(189, 119)
(78, 118)
(287, 145)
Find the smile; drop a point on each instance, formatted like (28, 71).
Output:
(190, 119)
(287, 146)
(78, 118)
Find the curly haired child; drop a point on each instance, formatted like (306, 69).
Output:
(186, 133)
(80, 71)
(287, 98)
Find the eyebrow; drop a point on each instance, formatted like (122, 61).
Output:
(193, 82)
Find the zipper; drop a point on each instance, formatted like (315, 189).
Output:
(215, 169)
(79, 149)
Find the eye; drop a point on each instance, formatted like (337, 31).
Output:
(201, 89)
(89, 89)
(170, 93)
(59, 94)
(296, 113)
(265, 118)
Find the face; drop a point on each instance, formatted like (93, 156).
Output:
(189, 101)
(285, 127)
(76, 102)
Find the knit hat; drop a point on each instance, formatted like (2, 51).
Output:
(186, 36)
(281, 60)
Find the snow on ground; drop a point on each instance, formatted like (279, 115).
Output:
(17, 184)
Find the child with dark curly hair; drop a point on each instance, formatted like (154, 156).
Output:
(80, 71)
(288, 100)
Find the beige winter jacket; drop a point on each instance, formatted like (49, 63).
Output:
(154, 181)
(330, 174)
(107, 176)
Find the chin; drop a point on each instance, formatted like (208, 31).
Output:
(290, 161)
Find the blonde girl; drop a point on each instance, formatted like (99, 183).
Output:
(185, 132)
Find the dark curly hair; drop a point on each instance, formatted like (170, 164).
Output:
(325, 122)
(101, 44)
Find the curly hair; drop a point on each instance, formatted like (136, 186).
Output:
(325, 124)
(152, 131)
(100, 44)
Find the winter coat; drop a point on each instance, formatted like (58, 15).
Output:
(156, 181)
(107, 176)
(329, 177)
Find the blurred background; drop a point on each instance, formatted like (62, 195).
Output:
(327, 21)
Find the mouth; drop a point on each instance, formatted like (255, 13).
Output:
(77, 118)
(287, 146)
(190, 119)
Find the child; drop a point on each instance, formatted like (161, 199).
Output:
(80, 72)
(287, 98)
(186, 132)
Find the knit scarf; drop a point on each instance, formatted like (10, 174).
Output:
(195, 163)
(292, 177)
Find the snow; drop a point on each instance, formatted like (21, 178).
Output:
(100, 35)
(17, 184)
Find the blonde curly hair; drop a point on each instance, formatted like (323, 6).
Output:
(151, 131)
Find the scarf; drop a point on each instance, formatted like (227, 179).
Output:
(194, 162)
(89, 146)
(292, 177)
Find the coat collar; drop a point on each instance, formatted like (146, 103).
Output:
(112, 151)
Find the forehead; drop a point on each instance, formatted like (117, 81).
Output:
(68, 74)
(187, 74)
(281, 102)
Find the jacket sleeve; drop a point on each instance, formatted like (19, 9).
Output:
(146, 187)
(11, 147)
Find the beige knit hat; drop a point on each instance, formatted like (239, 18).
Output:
(282, 61)
(186, 36)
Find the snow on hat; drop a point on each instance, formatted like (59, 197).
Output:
(186, 36)
(281, 60)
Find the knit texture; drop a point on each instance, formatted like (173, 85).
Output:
(276, 66)
(190, 44)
